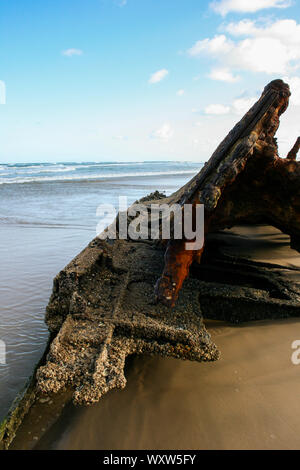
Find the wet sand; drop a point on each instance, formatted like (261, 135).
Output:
(247, 400)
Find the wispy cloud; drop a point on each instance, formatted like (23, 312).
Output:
(180, 92)
(239, 106)
(71, 52)
(217, 109)
(247, 6)
(164, 133)
(158, 76)
(223, 74)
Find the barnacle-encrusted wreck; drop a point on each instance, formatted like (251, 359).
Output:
(104, 306)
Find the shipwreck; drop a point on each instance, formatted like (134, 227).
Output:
(123, 297)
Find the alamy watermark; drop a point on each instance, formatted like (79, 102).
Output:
(2, 352)
(295, 357)
(2, 92)
(152, 222)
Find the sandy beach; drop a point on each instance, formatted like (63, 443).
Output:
(249, 399)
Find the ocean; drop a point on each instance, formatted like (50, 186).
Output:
(47, 216)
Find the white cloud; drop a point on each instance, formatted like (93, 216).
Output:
(241, 28)
(239, 106)
(217, 109)
(242, 105)
(272, 48)
(180, 92)
(223, 74)
(294, 83)
(71, 52)
(218, 45)
(244, 6)
(287, 31)
(164, 133)
(158, 76)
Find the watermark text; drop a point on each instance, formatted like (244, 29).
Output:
(152, 222)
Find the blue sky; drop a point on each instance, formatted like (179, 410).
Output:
(102, 80)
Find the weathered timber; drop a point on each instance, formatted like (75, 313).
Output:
(245, 181)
